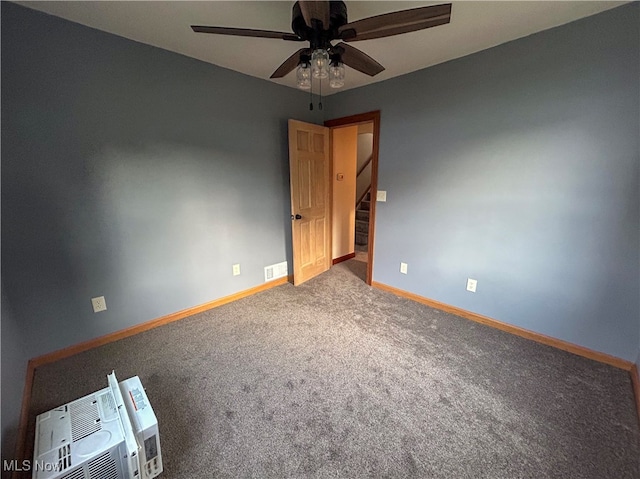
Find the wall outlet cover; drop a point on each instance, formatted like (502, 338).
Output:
(381, 195)
(472, 284)
(99, 304)
(236, 269)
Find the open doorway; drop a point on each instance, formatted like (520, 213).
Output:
(354, 141)
(363, 190)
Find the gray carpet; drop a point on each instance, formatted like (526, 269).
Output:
(335, 379)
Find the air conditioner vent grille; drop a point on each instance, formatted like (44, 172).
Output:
(77, 474)
(85, 418)
(103, 467)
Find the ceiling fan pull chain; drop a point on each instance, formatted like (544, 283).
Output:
(311, 95)
(320, 102)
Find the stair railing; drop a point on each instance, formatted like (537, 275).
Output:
(364, 195)
(368, 188)
(365, 164)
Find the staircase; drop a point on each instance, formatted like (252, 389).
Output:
(362, 223)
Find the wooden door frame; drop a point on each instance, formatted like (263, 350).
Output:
(374, 117)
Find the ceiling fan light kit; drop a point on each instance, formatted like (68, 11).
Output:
(303, 75)
(322, 22)
(336, 75)
(320, 63)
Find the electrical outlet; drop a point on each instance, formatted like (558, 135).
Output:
(472, 284)
(403, 268)
(236, 269)
(99, 304)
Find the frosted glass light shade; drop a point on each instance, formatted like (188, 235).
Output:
(319, 63)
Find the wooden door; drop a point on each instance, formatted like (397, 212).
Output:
(310, 177)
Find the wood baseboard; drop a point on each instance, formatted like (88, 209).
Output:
(115, 336)
(635, 380)
(344, 258)
(524, 333)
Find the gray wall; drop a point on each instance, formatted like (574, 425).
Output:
(519, 166)
(133, 173)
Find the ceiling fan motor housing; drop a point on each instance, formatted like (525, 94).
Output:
(320, 36)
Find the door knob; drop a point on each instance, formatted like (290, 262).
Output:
(296, 217)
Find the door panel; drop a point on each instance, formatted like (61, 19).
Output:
(310, 173)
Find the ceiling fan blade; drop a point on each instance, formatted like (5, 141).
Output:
(246, 32)
(358, 60)
(289, 64)
(320, 10)
(395, 23)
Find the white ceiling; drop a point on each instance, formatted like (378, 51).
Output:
(475, 26)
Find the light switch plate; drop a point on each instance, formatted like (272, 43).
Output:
(403, 268)
(381, 196)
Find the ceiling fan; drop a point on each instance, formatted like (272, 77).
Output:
(321, 22)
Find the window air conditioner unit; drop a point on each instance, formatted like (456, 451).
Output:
(110, 434)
